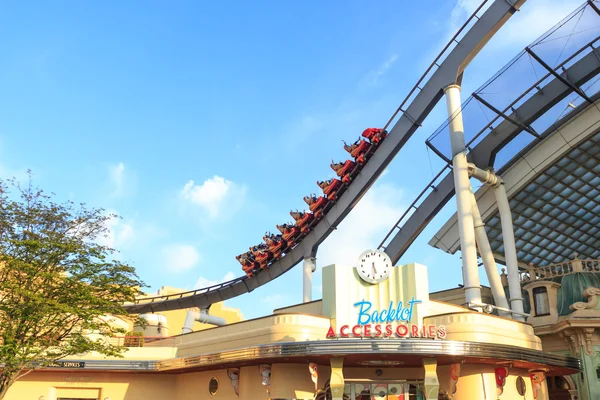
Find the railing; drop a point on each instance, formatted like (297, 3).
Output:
(142, 341)
(560, 269)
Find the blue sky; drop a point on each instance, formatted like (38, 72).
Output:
(203, 123)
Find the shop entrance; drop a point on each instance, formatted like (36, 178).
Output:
(392, 390)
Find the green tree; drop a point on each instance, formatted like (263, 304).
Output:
(58, 282)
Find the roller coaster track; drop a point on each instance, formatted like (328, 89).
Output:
(446, 69)
(581, 67)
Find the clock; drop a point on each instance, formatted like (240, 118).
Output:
(374, 266)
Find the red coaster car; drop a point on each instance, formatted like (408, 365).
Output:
(276, 244)
(343, 168)
(375, 135)
(302, 217)
(249, 264)
(289, 232)
(331, 188)
(316, 203)
(347, 170)
(359, 149)
(261, 254)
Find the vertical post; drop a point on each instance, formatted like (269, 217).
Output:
(431, 381)
(510, 251)
(336, 381)
(489, 263)
(462, 187)
(309, 266)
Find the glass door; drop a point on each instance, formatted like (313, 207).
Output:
(384, 390)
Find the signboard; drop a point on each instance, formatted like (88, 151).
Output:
(394, 320)
(66, 364)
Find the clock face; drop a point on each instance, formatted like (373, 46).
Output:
(374, 266)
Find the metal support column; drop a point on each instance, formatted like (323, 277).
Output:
(309, 266)
(489, 263)
(462, 186)
(510, 251)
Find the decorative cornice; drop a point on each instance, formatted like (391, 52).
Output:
(338, 347)
(591, 294)
(578, 338)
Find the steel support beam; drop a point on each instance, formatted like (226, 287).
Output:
(558, 76)
(484, 152)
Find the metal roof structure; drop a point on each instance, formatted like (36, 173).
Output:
(557, 214)
(524, 107)
(554, 191)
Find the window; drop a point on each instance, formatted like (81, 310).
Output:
(213, 386)
(521, 388)
(540, 300)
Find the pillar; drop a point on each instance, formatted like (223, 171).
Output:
(462, 185)
(309, 266)
(510, 252)
(336, 382)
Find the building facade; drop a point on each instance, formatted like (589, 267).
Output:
(367, 338)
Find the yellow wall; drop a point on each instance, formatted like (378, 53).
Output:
(117, 386)
(287, 381)
(194, 386)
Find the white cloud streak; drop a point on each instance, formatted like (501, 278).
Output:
(203, 282)
(373, 77)
(117, 178)
(364, 227)
(219, 197)
(180, 257)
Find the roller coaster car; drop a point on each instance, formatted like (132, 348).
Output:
(302, 217)
(360, 149)
(276, 244)
(316, 203)
(343, 168)
(332, 188)
(347, 170)
(375, 135)
(261, 254)
(249, 264)
(289, 232)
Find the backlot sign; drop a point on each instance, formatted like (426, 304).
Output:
(393, 321)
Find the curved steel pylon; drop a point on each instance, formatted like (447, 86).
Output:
(582, 67)
(414, 109)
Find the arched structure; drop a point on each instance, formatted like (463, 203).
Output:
(447, 69)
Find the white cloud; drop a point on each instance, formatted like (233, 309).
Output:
(120, 232)
(220, 197)
(303, 129)
(364, 227)
(533, 19)
(180, 257)
(117, 178)
(203, 282)
(372, 78)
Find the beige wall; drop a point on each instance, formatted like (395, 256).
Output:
(116, 385)
(287, 381)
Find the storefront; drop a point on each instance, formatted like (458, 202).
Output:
(376, 334)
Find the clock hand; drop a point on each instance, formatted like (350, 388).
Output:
(374, 269)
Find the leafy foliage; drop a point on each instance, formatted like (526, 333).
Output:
(59, 286)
